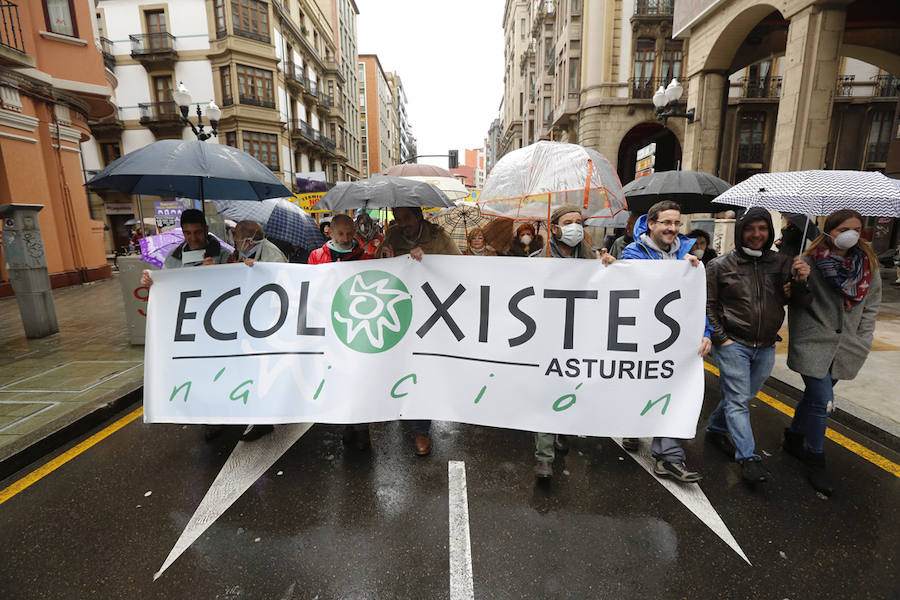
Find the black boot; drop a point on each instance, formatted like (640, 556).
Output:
(793, 444)
(818, 474)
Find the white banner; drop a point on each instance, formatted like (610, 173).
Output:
(539, 344)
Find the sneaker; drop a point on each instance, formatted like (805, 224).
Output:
(254, 432)
(631, 444)
(543, 469)
(676, 471)
(722, 442)
(752, 470)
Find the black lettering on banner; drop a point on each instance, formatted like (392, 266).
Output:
(485, 313)
(668, 368)
(282, 314)
(527, 321)
(626, 366)
(570, 296)
(572, 369)
(440, 311)
(554, 368)
(185, 316)
(666, 320)
(302, 327)
(615, 320)
(590, 363)
(612, 369)
(207, 318)
(650, 368)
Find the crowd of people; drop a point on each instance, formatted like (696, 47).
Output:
(831, 292)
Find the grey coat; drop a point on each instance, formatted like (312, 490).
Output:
(825, 335)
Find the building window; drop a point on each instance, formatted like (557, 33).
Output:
(231, 138)
(60, 17)
(110, 151)
(225, 79)
(879, 136)
(751, 145)
(576, 5)
(574, 74)
(644, 57)
(219, 10)
(672, 57)
(255, 86)
(522, 28)
(263, 147)
(250, 19)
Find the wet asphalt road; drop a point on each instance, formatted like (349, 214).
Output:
(338, 523)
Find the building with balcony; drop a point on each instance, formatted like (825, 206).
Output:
(406, 141)
(52, 83)
(379, 121)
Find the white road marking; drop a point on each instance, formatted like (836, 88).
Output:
(461, 586)
(248, 461)
(688, 494)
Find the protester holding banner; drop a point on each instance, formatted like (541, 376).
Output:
(368, 232)
(830, 339)
(477, 245)
(411, 234)
(746, 293)
(657, 237)
(526, 241)
(250, 245)
(343, 244)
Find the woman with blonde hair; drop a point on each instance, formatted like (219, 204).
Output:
(830, 339)
(477, 244)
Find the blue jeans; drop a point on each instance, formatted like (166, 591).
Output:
(811, 414)
(742, 372)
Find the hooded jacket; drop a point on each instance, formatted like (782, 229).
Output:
(745, 295)
(640, 249)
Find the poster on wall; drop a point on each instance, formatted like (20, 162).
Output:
(168, 214)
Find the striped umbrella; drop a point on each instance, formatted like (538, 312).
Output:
(459, 221)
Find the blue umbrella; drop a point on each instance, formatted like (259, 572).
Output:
(191, 169)
(281, 219)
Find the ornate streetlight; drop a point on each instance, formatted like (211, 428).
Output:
(666, 102)
(182, 98)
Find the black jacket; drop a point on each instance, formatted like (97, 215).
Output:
(745, 294)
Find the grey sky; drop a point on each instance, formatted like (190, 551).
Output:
(449, 56)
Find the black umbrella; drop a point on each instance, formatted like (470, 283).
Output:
(383, 191)
(692, 190)
(191, 169)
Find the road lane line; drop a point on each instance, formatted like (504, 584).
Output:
(68, 455)
(838, 438)
(461, 586)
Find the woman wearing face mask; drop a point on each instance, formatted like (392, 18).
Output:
(830, 339)
(477, 244)
(702, 248)
(526, 241)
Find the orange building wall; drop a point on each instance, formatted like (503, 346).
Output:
(373, 131)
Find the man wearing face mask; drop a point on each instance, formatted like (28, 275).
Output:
(566, 241)
(342, 246)
(657, 237)
(251, 246)
(746, 293)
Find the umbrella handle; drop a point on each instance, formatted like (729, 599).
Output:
(803, 239)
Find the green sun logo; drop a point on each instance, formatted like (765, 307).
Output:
(371, 311)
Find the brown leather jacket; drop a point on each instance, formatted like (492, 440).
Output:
(745, 295)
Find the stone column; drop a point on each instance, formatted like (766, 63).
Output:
(705, 95)
(810, 70)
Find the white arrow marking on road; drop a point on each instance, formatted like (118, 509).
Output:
(461, 587)
(690, 495)
(248, 461)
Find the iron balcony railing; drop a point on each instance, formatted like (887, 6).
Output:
(326, 100)
(109, 61)
(10, 27)
(645, 87)
(152, 43)
(877, 152)
(331, 64)
(327, 143)
(886, 86)
(751, 153)
(254, 101)
(311, 87)
(294, 72)
(761, 87)
(844, 85)
(304, 129)
(155, 112)
(259, 37)
(654, 8)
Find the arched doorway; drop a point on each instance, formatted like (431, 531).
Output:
(668, 149)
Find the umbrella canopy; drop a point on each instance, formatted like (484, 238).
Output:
(818, 193)
(530, 182)
(155, 248)
(692, 190)
(191, 169)
(416, 170)
(459, 221)
(280, 219)
(451, 186)
(383, 192)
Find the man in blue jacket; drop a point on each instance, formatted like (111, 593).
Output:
(656, 237)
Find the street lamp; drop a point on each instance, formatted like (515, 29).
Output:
(182, 98)
(667, 98)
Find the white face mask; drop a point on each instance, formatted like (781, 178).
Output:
(846, 240)
(572, 234)
(697, 252)
(525, 239)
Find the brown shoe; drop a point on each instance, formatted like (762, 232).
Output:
(423, 444)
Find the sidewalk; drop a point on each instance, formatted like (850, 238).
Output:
(89, 368)
(51, 383)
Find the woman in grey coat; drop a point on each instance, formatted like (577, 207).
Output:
(830, 340)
